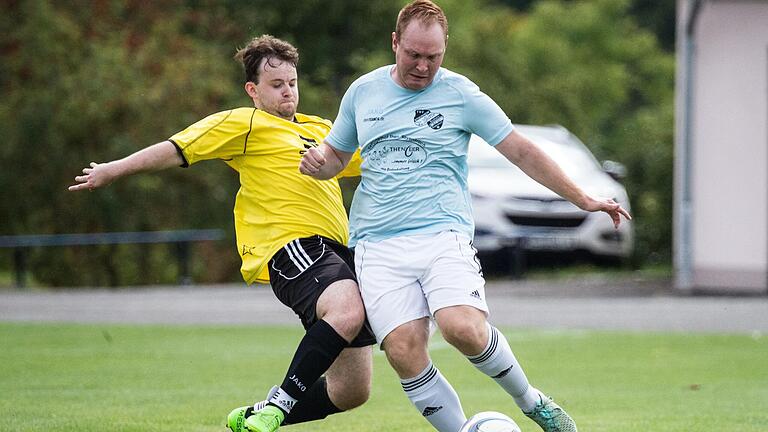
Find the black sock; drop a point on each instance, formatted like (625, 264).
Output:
(315, 354)
(315, 405)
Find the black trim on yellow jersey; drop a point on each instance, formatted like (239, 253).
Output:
(250, 128)
(184, 164)
(310, 121)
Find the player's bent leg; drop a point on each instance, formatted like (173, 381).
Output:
(326, 299)
(346, 385)
(490, 352)
(347, 381)
(340, 316)
(431, 394)
(319, 348)
(341, 306)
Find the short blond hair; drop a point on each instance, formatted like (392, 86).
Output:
(423, 10)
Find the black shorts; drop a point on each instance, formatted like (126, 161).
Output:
(303, 269)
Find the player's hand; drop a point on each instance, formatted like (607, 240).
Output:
(98, 175)
(614, 210)
(312, 162)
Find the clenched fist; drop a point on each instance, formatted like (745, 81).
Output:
(312, 162)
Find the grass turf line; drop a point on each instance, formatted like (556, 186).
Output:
(69, 377)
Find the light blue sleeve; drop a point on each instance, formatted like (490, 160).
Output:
(483, 116)
(343, 135)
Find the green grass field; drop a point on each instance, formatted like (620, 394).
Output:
(157, 378)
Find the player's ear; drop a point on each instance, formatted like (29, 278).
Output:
(394, 42)
(250, 89)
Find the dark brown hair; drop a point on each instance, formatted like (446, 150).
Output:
(265, 47)
(424, 11)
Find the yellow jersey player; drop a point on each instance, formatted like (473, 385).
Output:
(292, 231)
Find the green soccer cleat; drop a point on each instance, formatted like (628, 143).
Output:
(266, 420)
(551, 417)
(236, 418)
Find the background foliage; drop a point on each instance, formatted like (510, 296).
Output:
(96, 80)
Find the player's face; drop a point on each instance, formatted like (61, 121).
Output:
(418, 54)
(278, 89)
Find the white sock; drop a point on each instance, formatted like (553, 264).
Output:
(282, 400)
(498, 362)
(435, 399)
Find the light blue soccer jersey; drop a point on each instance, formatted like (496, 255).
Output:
(414, 147)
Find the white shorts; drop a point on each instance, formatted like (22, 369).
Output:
(410, 277)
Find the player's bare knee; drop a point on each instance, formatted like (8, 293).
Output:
(354, 316)
(464, 327)
(468, 337)
(347, 321)
(340, 305)
(406, 352)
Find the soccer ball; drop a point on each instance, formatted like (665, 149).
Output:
(490, 421)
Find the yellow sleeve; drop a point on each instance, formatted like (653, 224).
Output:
(218, 136)
(353, 168)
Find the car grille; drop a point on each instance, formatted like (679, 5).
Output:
(539, 221)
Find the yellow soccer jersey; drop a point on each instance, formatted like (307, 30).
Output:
(275, 203)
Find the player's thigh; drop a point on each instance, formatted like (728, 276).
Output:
(454, 277)
(389, 285)
(304, 269)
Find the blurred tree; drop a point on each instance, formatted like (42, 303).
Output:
(658, 16)
(98, 79)
(332, 36)
(589, 67)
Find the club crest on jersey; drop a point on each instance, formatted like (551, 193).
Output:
(308, 144)
(426, 117)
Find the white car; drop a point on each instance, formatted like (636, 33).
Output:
(512, 211)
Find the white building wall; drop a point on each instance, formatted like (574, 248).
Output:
(729, 157)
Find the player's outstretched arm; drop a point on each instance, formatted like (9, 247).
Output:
(156, 157)
(539, 166)
(324, 162)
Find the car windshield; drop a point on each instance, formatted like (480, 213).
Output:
(565, 149)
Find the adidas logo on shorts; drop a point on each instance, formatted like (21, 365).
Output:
(475, 294)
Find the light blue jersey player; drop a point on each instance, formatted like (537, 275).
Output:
(411, 221)
(414, 147)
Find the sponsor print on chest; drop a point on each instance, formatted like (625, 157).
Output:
(396, 152)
